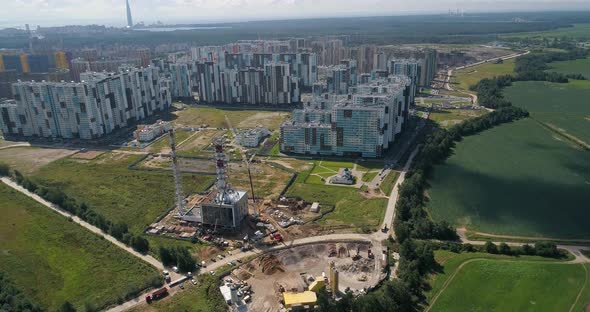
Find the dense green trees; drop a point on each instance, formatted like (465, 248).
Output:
(4, 170)
(177, 256)
(12, 300)
(120, 231)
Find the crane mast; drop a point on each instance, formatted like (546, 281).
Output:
(177, 179)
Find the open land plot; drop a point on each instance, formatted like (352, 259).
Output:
(581, 66)
(215, 117)
(204, 297)
(197, 144)
(511, 284)
(578, 31)
(29, 159)
(135, 197)
(447, 118)
(351, 207)
(563, 106)
(464, 78)
(162, 144)
(53, 260)
(515, 179)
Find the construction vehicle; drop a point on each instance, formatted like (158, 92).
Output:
(370, 254)
(277, 237)
(160, 293)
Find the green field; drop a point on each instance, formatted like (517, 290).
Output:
(464, 78)
(351, 208)
(515, 179)
(164, 141)
(121, 195)
(447, 118)
(486, 282)
(54, 260)
(581, 66)
(215, 118)
(388, 183)
(563, 106)
(578, 31)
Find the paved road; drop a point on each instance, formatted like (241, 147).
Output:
(390, 212)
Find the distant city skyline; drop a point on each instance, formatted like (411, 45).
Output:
(113, 12)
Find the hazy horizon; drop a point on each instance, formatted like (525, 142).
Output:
(112, 12)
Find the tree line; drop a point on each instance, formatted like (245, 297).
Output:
(12, 299)
(120, 230)
(177, 256)
(530, 67)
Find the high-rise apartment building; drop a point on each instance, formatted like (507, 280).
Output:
(86, 110)
(363, 123)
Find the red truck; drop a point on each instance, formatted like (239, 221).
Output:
(276, 236)
(160, 293)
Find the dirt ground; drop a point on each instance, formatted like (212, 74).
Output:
(271, 120)
(29, 159)
(200, 141)
(298, 263)
(88, 155)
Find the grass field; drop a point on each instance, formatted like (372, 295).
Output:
(511, 284)
(563, 106)
(387, 185)
(204, 297)
(578, 31)
(351, 208)
(53, 260)
(163, 143)
(515, 179)
(215, 118)
(121, 195)
(464, 78)
(581, 66)
(447, 118)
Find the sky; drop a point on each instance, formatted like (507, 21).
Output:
(112, 12)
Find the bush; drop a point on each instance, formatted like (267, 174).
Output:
(4, 170)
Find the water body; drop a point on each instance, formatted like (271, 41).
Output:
(163, 29)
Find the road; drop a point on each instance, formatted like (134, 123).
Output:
(573, 249)
(391, 203)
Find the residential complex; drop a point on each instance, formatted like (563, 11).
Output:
(100, 104)
(362, 123)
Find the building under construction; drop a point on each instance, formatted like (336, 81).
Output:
(223, 208)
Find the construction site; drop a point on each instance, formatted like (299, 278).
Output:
(290, 279)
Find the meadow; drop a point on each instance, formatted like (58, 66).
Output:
(511, 284)
(216, 118)
(351, 207)
(447, 118)
(54, 260)
(464, 78)
(563, 106)
(136, 197)
(581, 66)
(515, 179)
(578, 31)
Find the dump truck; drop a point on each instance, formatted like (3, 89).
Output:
(160, 293)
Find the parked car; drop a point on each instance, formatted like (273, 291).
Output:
(175, 269)
(194, 281)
